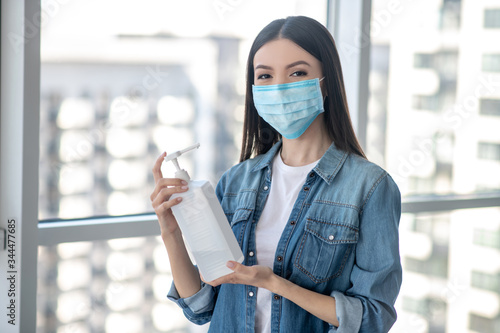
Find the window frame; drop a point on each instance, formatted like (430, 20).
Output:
(19, 136)
(19, 147)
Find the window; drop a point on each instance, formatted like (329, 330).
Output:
(114, 95)
(491, 62)
(490, 107)
(485, 281)
(426, 153)
(450, 15)
(117, 94)
(433, 309)
(489, 238)
(488, 151)
(423, 60)
(436, 286)
(436, 152)
(492, 18)
(116, 285)
(437, 265)
(423, 102)
(479, 323)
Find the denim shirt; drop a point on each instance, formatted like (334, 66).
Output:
(341, 239)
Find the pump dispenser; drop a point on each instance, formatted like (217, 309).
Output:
(204, 224)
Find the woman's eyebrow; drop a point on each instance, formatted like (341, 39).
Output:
(300, 62)
(293, 64)
(263, 67)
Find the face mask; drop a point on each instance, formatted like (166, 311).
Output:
(290, 107)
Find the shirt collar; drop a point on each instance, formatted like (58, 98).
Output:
(330, 164)
(267, 158)
(327, 167)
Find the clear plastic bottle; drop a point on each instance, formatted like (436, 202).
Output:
(204, 224)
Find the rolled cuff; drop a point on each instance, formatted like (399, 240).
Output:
(198, 307)
(349, 313)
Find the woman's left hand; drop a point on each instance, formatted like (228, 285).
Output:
(322, 306)
(257, 276)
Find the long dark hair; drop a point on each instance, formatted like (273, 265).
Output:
(312, 36)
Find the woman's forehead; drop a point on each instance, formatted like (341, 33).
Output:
(282, 52)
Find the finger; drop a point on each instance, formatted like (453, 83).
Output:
(160, 208)
(157, 167)
(165, 193)
(233, 265)
(169, 186)
(223, 279)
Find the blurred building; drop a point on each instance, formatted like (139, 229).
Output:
(104, 120)
(439, 84)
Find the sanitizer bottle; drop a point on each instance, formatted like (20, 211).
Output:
(204, 224)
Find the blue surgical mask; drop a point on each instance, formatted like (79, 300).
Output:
(290, 107)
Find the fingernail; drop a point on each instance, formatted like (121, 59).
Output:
(184, 182)
(230, 264)
(179, 199)
(184, 187)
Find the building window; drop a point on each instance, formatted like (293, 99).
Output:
(490, 107)
(491, 62)
(485, 281)
(487, 238)
(432, 309)
(426, 102)
(436, 265)
(488, 151)
(423, 60)
(450, 15)
(479, 323)
(492, 18)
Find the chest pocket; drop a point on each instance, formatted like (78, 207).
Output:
(325, 248)
(238, 223)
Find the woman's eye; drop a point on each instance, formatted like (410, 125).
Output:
(299, 73)
(263, 76)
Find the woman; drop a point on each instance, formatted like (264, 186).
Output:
(317, 222)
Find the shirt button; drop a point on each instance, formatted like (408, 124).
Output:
(279, 258)
(266, 188)
(251, 253)
(292, 222)
(276, 297)
(311, 175)
(250, 294)
(331, 237)
(306, 188)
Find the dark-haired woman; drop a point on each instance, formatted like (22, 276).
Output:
(317, 222)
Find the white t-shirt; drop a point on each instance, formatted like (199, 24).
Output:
(285, 187)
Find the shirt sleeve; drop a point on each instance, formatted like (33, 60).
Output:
(197, 308)
(368, 306)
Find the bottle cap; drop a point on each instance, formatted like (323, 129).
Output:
(180, 173)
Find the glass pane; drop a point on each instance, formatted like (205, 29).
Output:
(451, 280)
(119, 285)
(492, 18)
(491, 62)
(123, 81)
(434, 90)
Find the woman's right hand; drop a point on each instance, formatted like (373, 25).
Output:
(160, 198)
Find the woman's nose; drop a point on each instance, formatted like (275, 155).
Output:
(280, 79)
